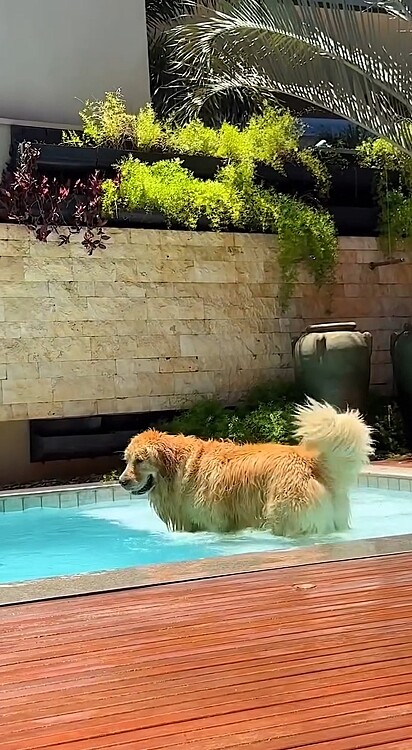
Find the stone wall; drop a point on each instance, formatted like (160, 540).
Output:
(160, 318)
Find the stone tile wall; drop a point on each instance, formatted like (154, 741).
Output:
(160, 318)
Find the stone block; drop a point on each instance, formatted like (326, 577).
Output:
(132, 328)
(80, 408)
(45, 411)
(220, 271)
(92, 267)
(14, 350)
(59, 369)
(108, 347)
(250, 272)
(176, 327)
(20, 411)
(117, 289)
(50, 269)
(186, 308)
(23, 371)
(358, 243)
(23, 289)
(151, 347)
(111, 308)
(194, 382)
(133, 405)
(179, 364)
(59, 349)
(10, 330)
(144, 384)
(6, 412)
(11, 269)
(127, 367)
(27, 391)
(29, 309)
(49, 249)
(16, 232)
(200, 345)
(88, 388)
(14, 248)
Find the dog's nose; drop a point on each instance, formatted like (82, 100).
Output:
(123, 481)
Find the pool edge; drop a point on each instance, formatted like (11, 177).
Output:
(162, 574)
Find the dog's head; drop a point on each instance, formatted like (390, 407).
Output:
(150, 457)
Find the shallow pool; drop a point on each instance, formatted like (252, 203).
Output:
(47, 542)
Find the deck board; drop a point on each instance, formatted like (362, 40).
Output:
(309, 657)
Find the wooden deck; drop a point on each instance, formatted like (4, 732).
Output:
(317, 657)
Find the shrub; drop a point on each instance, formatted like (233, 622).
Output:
(266, 415)
(107, 123)
(395, 201)
(271, 138)
(46, 205)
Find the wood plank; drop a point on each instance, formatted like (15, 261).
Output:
(275, 660)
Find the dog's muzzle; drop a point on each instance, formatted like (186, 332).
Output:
(149, 484)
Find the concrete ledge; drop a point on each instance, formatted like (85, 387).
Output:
(128, 578)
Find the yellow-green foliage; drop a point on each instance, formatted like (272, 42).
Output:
(306, 235)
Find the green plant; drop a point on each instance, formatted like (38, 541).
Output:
(107, 123)
(194, 138)
(355, 64)
(266, 415)
(389, 434)
(395, 200)
(306, 235)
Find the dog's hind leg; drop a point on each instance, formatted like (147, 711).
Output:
(341, 509)
(292, 515)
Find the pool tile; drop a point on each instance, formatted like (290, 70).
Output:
(51, 500)
(373, 482)
(1, 506)
(363, 481)
(393, 483)
(12, 504)
(104, 495)
(405, 485)
(31, 501)
(383, 483)
(86, 497)
(120, 494)
(68, 500)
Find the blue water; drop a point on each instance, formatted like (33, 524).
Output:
(47, 542)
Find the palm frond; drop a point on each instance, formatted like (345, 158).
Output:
(353, 63)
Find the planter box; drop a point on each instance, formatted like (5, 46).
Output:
(67, 158)
(74, 159)
(356, 221)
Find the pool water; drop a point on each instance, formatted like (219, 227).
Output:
(47, 542)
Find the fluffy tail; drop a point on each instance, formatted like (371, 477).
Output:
(343, 440)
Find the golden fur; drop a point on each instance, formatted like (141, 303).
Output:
(199, 485)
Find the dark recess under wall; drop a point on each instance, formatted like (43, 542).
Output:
(87, 437)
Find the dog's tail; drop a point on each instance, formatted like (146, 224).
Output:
(342, 439)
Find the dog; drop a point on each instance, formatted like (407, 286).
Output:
(220, 486)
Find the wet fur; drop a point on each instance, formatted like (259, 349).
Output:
(219, 486)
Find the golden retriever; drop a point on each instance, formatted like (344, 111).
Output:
(219, 486)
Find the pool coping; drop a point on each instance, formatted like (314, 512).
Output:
(128, 578)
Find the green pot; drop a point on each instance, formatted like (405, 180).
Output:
(332, 363)
(401, 355)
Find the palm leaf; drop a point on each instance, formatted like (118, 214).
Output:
(352, 63)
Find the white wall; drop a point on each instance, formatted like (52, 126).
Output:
(55, 52)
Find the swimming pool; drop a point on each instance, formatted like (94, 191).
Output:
(43, 542)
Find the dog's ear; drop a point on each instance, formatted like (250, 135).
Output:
(164, 457)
